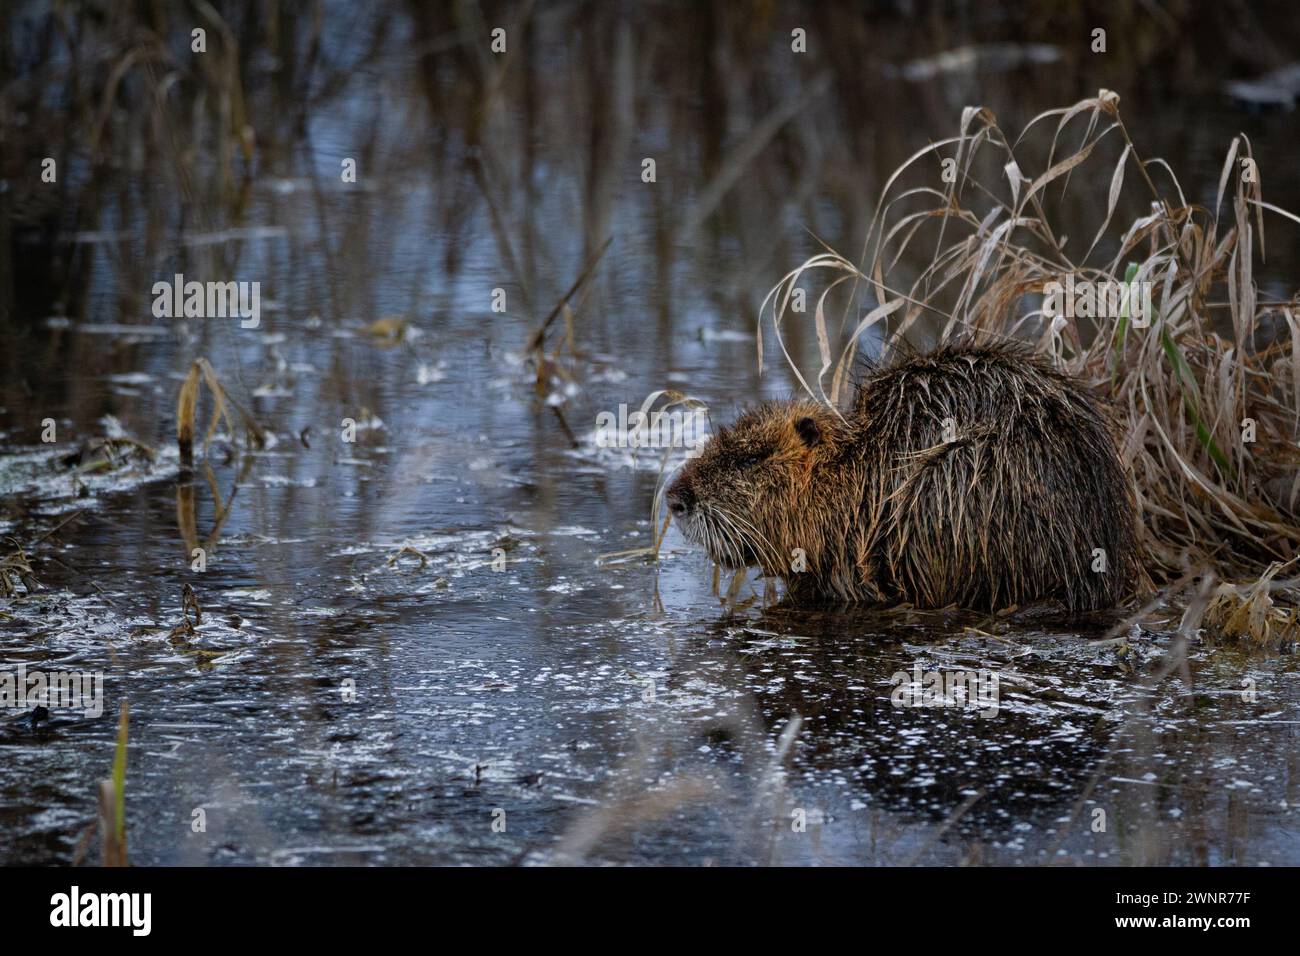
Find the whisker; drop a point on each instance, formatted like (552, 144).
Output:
(754, 538)
(736, 533)
(726, 534)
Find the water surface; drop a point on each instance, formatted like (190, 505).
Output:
(368, 684)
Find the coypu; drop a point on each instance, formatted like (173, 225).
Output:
(975, 475)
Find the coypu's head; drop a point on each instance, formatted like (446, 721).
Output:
(749, 497)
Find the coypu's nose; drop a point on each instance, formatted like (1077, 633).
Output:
(680, 498)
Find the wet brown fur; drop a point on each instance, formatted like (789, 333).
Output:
(1008, 513)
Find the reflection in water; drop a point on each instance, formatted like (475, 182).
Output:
(364, 685)
(1080, 764)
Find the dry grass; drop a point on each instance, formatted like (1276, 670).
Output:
(1248, 613)
(15, 569)
(1213, 357)
(187, 400)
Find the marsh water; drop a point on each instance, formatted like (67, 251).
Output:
(414, 646)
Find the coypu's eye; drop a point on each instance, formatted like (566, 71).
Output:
(750, 458)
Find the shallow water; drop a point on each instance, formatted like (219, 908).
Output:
(343, 701)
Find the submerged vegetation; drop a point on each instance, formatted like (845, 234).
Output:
(1207, 387)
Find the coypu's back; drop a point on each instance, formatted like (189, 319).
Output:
(992, 480)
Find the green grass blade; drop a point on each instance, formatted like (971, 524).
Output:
(1191, 400)
(1121, 329)
(119, 778)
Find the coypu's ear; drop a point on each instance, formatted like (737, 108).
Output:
(808, 430)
